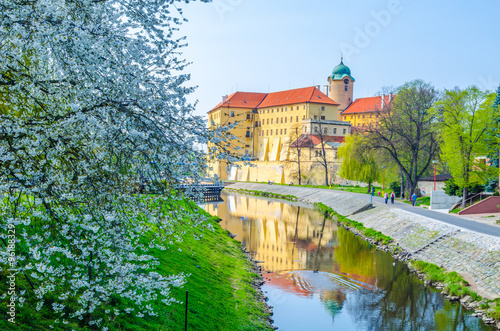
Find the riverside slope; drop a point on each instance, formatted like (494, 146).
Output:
(474, 255)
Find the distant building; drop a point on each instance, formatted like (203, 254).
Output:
(270, 126)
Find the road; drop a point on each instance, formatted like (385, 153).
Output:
(452, 219)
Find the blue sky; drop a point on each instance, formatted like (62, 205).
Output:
(274, 45)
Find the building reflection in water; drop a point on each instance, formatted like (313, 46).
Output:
(307, 260)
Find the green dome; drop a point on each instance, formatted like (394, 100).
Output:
(341, 71)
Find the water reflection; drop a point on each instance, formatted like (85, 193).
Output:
(322, 277)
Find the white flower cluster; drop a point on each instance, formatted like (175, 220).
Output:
(92, 106)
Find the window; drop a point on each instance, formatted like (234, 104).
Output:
(271, 121)
(297, 107)
(232, 113)
(272, 110)
(281, 131)
(304, 106)
(271, 132)
(276, 131)
(285, 119)
(247, 135)
(322, 117)
(351, 117)
(282, 120)
(259, 133)
(304, 117)
(297, 119)
(268, 111)
(325, 130)
(285, 131)
(286, 108)
(334, 130)
(345, 117)
(315, 129)
(305, 129)
(363, 116)
(268, 121)
(323, 108)
(344, 131)
(345, 88)
(281, 109)
(315, 117)
(267, 132)
(228, 123)
(370, 115)
(291, 119)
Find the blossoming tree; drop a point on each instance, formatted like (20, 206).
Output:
(92, 103)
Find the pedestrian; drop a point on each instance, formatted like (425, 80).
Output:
(392, 197)
(414, 199)
(379, 194)
(402, 195)
(386, 197)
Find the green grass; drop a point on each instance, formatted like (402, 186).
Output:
(368, 232)
(424, 201)
(263, 194)
(219, 283)
(346, 188)
(455, 285)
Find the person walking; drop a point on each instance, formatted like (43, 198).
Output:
(392, 197)
(414, 199)
(386, 197)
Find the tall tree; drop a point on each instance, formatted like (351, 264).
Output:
(96, 96)
(295, 149)
(407, 130)
(322, 157)
(465, 116)
(357, 161)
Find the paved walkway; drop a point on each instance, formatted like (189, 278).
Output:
(459, 221)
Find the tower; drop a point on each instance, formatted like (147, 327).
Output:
(341, 85)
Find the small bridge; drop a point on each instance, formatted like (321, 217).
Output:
(203, 192)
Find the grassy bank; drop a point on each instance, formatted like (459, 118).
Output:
(221, 296)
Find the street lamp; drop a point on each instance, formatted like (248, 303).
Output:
(383, 180)
(435, 166)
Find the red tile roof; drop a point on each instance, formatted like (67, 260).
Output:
(364, 105)
(263, 100)
(242, 100)
(313, 140)
(301, 95)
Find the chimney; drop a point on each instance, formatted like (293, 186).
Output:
(382, 104)
(325, 89)
(390, 98)
(318, 87)
(224, 98)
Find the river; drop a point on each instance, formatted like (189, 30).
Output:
(322, 277)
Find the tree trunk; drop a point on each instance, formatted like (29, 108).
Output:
(369, 188)
(464, 196)
(402, 185)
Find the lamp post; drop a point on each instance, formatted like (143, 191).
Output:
(383, 180)
(435, 167)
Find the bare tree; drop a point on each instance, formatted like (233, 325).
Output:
(406, 130)
(295, 146)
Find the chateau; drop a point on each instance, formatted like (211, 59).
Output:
(290, 132)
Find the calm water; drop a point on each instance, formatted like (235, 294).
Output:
(322, 277)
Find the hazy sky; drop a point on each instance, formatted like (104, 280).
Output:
(274, 45)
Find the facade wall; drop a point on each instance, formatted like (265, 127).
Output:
(337, 91)
(362, 119)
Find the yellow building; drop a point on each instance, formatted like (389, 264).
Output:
(365, 112)
(266, 125)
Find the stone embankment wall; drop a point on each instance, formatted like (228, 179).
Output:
(475, 256)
